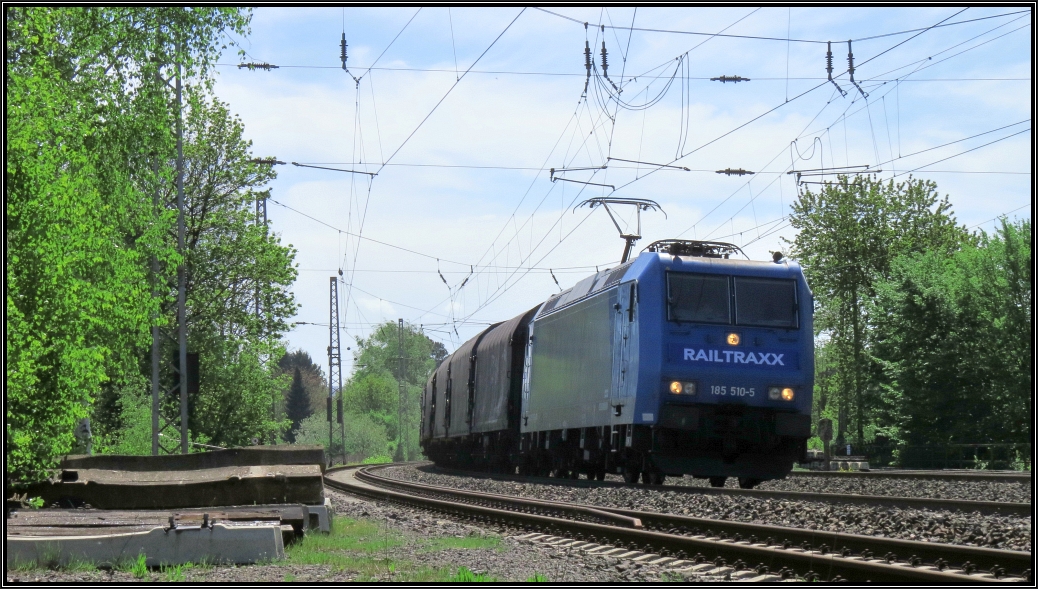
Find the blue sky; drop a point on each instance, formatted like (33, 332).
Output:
(444, 210)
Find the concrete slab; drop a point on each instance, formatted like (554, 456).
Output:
(171, 489)
(319, 517)
(250, 456)
(221, 543)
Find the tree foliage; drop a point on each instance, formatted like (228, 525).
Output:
(297, 404)
(382, 386)
(954, 338)
(238, 298)
(850, 233)
(314, 382)
(365, 438)
(88, 117)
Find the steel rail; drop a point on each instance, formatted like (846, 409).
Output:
(808, 562)
(1012, 561)
(984, 507)
(516, 503)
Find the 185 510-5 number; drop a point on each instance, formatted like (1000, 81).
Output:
(731, 391)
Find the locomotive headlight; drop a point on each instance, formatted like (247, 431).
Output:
(787, 394)
(733, 339)
(774, 393)
(683, 388)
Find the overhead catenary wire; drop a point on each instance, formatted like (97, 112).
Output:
(964, 171)
(1002, 216)
(962, 153)
(455, 85)
(782, 39)
(577, 75)
(733, 194)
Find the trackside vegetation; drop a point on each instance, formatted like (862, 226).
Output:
(91, 119)
(925, 330)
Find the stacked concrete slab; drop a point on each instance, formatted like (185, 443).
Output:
(238, 505)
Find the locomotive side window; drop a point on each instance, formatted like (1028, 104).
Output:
(702, 298)
(765, 302)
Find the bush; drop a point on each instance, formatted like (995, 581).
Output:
(365, 438)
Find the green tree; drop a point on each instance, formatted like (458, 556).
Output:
(954, 338)
(313, 377)
(384, 387)
(238, 280)
(849, 233)
(88, 121)
(298, 405)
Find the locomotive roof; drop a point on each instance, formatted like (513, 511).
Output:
(635, 268)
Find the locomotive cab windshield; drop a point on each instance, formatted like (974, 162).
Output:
(706, 298)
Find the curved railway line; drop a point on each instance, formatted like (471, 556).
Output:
(706, 545)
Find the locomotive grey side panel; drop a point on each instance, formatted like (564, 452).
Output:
(571, 366)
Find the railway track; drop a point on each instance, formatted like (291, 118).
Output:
(704, 543)
(985, 507)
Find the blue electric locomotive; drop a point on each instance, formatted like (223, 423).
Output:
(682, 361)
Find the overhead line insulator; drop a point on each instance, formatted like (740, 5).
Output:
(342, 50)
(850, 70)
(270, 161)
(735, 172)
(829, 67)
(587, 63)
(255, 65)
(734, 79)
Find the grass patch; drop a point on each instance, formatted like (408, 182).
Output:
(138, 567)
(173, 574)
(538, 578)
(23, 566)
(51, 560)
(76, 565)
(353, 545)
(466, 576)
(205, 565)
(347, 535)
(364, 547)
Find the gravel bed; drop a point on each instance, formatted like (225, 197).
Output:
(1020, 492)
(516, 562)
(970, 529)
(513, 561)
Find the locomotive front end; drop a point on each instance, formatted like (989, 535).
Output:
(734, 377)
